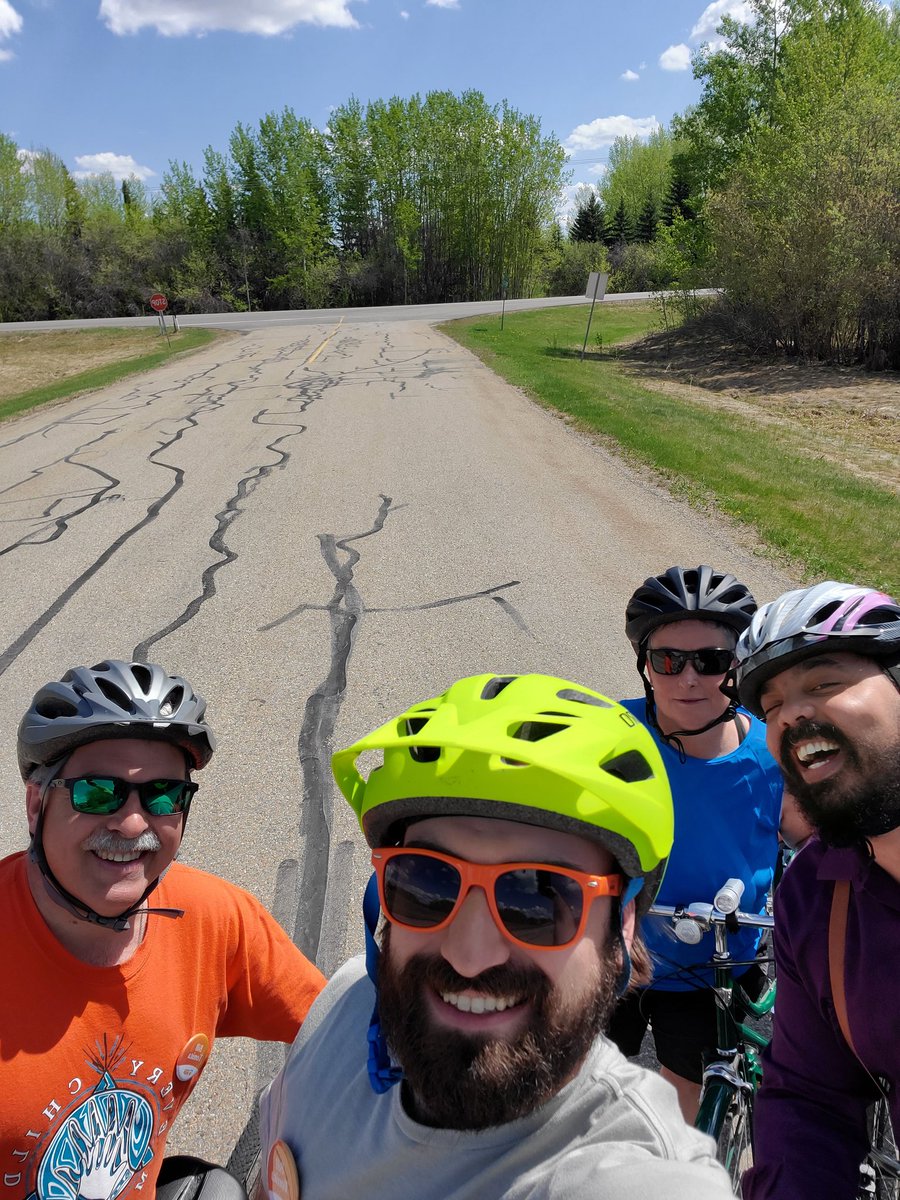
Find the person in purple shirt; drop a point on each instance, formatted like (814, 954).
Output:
(821, 666)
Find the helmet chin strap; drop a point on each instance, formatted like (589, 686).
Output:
(78, 908)
(674, 738)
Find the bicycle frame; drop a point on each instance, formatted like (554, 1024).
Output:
(736, 1066)
(731, 1078)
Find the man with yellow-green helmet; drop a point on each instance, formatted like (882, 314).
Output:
(519, 826)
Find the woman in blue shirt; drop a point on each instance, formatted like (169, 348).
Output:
(726, 788)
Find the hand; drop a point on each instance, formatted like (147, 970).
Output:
(103, 1169)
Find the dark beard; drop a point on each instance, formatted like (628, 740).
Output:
(457, 1081)
(846, 814)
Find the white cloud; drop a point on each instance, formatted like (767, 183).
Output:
(676, 58)
(178, 18)
(120, 166)
(629, 76)
(404, 14)
(642, 66)
(443, 3)
(10, 23)
(705, 29)
(603, 131)
(26, 158)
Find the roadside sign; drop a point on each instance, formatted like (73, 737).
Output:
(596, 286)
(596, 290)
(158, 302)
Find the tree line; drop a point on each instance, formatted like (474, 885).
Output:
(781, 186)
(398, 201)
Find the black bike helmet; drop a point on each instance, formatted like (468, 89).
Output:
(687, 594)
(113, 699)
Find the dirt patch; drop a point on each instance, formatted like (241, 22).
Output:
(34, 360)
(848, 415)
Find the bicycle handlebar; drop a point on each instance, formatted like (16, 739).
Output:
(701, 918)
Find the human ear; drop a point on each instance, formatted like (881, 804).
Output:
(628, 925)
(32, 805)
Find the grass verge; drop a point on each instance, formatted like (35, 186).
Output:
(69, 385)
(806, 510)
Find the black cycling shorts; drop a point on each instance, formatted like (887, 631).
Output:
(683, 1023)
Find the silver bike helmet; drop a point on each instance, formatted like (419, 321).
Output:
(113, 699)
(687, 594)
(816, 620)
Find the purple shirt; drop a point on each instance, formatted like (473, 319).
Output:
(810, 1117)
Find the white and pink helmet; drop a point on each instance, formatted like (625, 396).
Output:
(815, 620)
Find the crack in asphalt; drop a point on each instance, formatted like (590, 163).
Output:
(484, 593)
(224, 520)
(345, 609)
(60, 524)
(316, 731)
(102, 413)
(12, 652)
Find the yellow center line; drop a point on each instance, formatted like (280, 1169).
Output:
(318, 350)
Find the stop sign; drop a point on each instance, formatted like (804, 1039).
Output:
(158, 302)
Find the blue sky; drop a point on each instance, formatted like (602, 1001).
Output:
(128, 85)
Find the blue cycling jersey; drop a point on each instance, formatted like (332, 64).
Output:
(727, 812)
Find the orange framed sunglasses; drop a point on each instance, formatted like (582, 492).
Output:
(536, 905)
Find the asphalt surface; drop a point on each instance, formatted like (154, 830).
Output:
(249, 321)
(317, 524)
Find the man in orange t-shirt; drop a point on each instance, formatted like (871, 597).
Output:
(120, 968)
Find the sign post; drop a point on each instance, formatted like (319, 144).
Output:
(159, 304)
(596, 290)
(503, 290)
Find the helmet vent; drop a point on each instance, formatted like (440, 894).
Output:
(115, 695)
(534, 731)
(143, 676)
(172, 702)
(583, 698)
(827, 611)
(51, 709)
(424, 754)
(878, 616)
(370, 761)
(495, 686)
(414, 724)
(630, 767)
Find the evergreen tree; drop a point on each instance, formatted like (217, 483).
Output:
(678, 198)
(619, 228)
(645, 230)
(588, 223)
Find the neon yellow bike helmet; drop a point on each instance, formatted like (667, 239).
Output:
(525, 748)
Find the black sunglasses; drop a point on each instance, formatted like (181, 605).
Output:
(707, 661)
(100, 795)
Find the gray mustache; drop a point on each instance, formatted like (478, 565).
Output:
(111, 843)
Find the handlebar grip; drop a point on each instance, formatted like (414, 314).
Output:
(728, 897)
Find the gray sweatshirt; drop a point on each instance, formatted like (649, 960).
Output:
(615, 1131)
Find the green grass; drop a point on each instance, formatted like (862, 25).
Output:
(98, 377)
(808, 512)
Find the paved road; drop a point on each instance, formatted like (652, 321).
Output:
(431, 313)
(317, 523)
